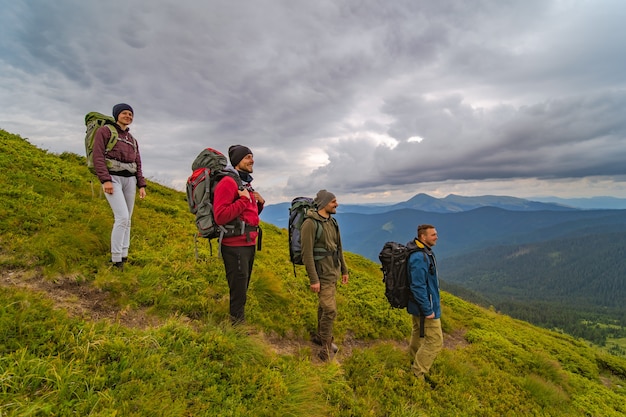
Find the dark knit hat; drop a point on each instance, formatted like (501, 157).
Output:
(322, 198)
(118, 108)
(236, 153)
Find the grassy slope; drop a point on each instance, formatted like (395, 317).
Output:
(59, 359)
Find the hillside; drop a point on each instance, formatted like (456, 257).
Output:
(79, 338)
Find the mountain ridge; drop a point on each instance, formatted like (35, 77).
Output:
(278, 214)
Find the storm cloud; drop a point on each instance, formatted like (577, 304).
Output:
(375, 100)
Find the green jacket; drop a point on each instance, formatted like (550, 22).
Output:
(327, 262)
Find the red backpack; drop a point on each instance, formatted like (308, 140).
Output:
(209, 168)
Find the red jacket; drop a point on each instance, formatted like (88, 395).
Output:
(227, 206)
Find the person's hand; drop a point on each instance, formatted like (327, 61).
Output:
(142, 193)
(107, 186)
(344, 279)
(258, 198)
(315, 287)
(244, 193)
(432, 316)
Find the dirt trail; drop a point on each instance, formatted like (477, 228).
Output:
(83, 300)
(80, 299)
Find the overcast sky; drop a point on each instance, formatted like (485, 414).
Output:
(374, 100)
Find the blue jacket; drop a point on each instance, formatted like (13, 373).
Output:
(424, 283)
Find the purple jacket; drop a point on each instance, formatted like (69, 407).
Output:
(126, 149)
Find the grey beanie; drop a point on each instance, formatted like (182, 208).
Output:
(322, 198)
(118, 108)
(236, 153)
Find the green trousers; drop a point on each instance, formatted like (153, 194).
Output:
(425, 350)
(326, 310)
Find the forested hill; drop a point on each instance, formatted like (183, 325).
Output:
(564, 271)
(576, 284)
(78, 337)
(475, 229)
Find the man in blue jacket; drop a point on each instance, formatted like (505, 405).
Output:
(425, 305)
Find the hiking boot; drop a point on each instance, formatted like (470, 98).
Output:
(318, 341)
(124, 259)
(326, 352)
(430, 381)
(425, 379)
(119, 265)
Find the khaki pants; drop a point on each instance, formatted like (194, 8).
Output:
(425, 350)
(326, 310)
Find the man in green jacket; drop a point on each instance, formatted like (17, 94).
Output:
(322, 256)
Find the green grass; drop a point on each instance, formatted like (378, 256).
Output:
(78, 338)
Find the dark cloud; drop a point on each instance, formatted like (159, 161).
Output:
(368, 97)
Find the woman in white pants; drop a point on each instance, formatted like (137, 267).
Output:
(119, 171)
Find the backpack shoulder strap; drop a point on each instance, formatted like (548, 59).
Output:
(134, 141)
(218, 175)
(318, 227)
(429, 256)
(318, 230)
(318, 252)
(412, 248)
(113, 139)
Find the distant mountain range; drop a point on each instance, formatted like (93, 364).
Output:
(456, 203)
(590, 203)
(278, 214)
(464, 223)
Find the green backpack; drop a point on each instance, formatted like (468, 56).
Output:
(297, 214)
(94, 121)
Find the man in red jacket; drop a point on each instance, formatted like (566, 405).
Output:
(238, 204)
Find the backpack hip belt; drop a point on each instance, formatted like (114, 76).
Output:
(114, 165)
(240, 228)
(321, 253)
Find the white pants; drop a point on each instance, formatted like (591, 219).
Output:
(122, 202)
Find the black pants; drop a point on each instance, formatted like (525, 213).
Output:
(238, 262)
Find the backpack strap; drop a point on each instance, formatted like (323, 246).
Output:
(318, 252)
(236, 227)
(131, 141)
(321, 253)
(113, 139)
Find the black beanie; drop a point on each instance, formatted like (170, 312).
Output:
(236, 153)
(322, 198)
(118, 108)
